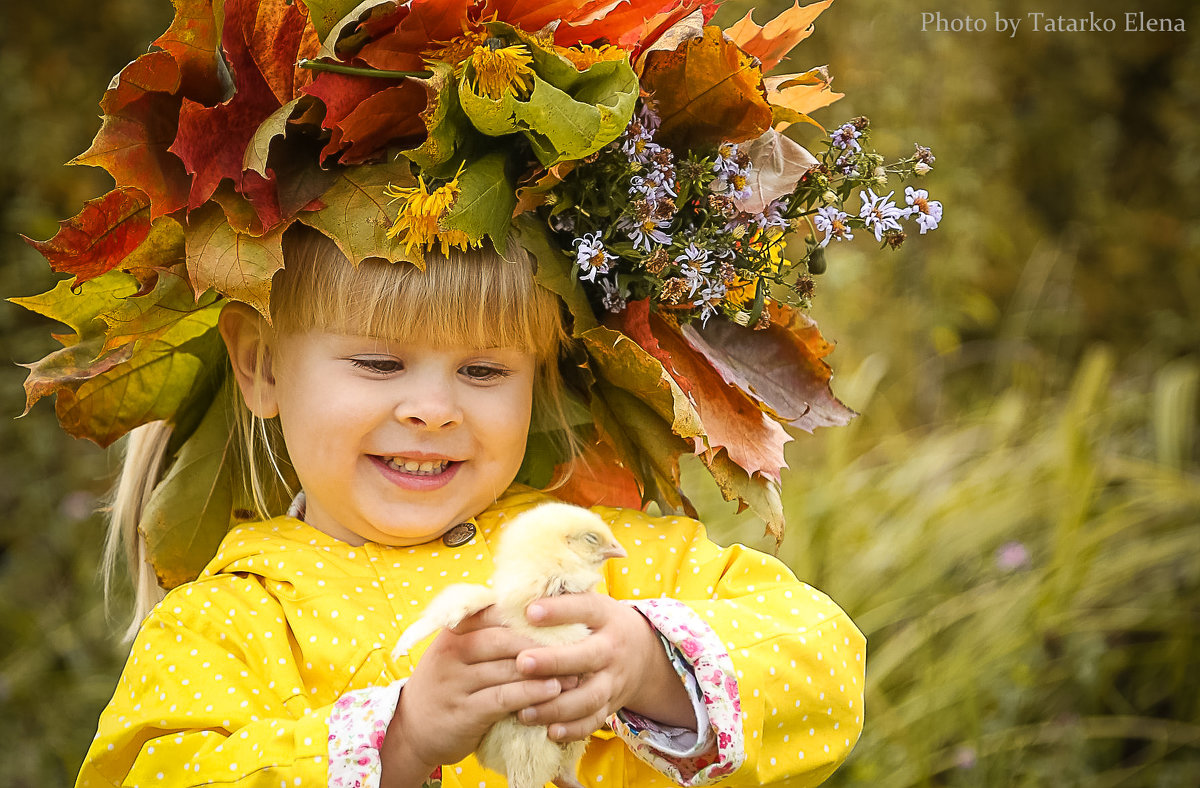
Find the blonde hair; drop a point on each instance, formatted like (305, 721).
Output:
(460, 298)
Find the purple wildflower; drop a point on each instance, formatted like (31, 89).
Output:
(846, 137)
(1012, 556)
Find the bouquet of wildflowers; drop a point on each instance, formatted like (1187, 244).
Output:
(709, 234)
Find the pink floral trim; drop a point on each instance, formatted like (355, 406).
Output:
(713, 670)
(357, 725)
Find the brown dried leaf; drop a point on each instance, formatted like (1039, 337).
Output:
(781, 366)
(235, 264)
(779, 163)
(707, 91)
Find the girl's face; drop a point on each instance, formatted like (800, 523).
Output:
(396, 443)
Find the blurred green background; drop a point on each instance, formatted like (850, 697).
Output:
(1014, 519)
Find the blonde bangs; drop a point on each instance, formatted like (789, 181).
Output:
(466, 298)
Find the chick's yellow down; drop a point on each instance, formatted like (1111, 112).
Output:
(552, 549)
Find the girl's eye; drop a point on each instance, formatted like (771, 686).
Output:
(485, 372)
(380, 365)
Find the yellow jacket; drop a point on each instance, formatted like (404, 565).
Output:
(233, 678)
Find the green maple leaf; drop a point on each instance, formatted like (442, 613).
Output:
(568, 114)
(158, 376)
(486, 199)
(80, 307)
(358, 213)
(554, 271)
(149, 316)
(326, 14)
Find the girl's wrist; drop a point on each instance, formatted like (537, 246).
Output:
(402, 765)
(660, 695)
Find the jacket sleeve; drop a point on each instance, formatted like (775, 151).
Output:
(780, 666)
(201, 701)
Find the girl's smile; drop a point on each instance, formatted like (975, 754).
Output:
(398, 442)
(418, 475)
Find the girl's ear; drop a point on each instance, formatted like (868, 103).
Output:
(245, 334)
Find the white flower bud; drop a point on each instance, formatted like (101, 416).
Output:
(829, 197)
(921, 168)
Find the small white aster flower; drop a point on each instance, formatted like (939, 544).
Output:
(927, 212)
(646, 232)
(613, 299)
(832, 222)
(590, 256)
(708, 300)
(880, 213)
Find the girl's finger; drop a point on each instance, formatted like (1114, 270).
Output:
(576, 730)
(490, 644)
(585, 705)
(484, 675)
(586, 608)
(587, 656)
(509, 698)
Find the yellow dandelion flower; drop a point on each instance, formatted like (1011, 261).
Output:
(500, 70)
(587, 56)
(458, 49)
(418, 220)
(741, 292)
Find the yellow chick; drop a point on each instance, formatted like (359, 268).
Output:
(549, 550)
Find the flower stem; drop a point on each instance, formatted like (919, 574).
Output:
(361, 71)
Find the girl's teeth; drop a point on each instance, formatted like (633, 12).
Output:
(427, 468)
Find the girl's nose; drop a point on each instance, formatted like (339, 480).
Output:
(433, 406)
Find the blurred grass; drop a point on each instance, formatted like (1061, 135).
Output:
(1029, 584)
(1013, 519)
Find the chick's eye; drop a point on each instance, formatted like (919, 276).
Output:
(592, 538)
(485, 372)
(380, 365)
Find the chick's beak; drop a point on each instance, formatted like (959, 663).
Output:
(614, 550)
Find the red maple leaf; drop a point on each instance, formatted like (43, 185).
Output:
(427, 25)
(138, 127)
(599, 479)
(626, 24)
(192, 40)
(364, 114)
(99, 237)
(212, 141)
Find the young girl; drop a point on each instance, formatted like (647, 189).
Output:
(404, 398)
(284, 177)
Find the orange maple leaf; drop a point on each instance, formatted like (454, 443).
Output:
(771, 42)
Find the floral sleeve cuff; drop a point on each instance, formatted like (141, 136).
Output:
(706, 669)
(357, 725)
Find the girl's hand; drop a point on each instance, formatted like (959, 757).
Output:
(465, 682)
(622, 664)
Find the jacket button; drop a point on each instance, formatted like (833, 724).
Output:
(459, 535)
